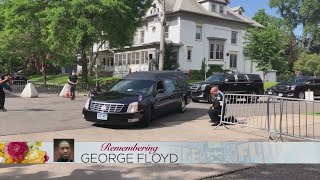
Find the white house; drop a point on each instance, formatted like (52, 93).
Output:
(198, 29)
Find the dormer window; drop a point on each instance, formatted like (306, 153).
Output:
(213, 8)
(221, 9)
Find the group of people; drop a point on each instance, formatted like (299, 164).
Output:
(6, 83)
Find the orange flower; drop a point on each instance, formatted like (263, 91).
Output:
(8, 159)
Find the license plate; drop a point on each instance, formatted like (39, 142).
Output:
(269, 92)
(102, 116)
(280, 94)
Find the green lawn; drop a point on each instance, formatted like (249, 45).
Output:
(63, 78)
(267, 85)
(316, 113)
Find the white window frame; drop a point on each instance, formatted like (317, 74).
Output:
(198, 26)
(166, 32)
(236, 38)
(233, 63)
(142, 34)
(221, 9)
(213, 9)
(189, 58)
(217, 54)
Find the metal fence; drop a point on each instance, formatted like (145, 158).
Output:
(275, 115)
(48, 88)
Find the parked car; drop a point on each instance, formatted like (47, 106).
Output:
(19, 78)
(228, 83)
(296, 87)
(138, 98)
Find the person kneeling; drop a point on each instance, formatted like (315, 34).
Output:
(216, 108)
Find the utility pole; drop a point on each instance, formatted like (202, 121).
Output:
(162, 36)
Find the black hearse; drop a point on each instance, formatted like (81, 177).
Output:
(138, 98)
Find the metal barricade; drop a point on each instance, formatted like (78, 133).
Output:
(18, 86)
(245, 110)
(48, 88)
(277, 115)
(296, 118)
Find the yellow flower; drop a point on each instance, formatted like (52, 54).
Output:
(39, 144)
(8, 159)
(2, 146)
(34, 156)
(1, 154)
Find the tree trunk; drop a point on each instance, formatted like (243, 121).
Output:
(44, 72)
(293, 50)
(91, 63)
(84, 65)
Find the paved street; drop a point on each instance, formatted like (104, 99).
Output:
(49, 117)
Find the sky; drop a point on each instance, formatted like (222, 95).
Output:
(252, 6)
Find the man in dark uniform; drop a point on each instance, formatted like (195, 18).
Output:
(3, 85)
(215, 110)
(73, 80)
(64, 152)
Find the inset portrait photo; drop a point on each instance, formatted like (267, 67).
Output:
(63, 150)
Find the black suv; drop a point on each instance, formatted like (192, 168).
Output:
(138, 98)
(296, 87)
(229, 84)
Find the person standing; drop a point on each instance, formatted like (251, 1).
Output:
(3, 85)
(216, 109)
(73, 80)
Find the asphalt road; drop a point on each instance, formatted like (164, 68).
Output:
(53, 113)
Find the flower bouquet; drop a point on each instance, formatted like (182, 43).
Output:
(22, 153)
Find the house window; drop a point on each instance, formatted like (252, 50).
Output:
(189, 54)
(216, 51)
(124, 59)
(213, 8)
(104, 61)
(116, 59)
(112, 61)
(120, 59)
(198, 32)
(133, 60)
(141, 37)
(219, 51)
(211, 51)
(129, 58)
(146, 57)
(137, 57)
(166, 32)
(234, 37)
(221, 9)
(233, 60)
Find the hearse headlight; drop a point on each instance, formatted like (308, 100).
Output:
(133, 107)
(203, 87)
(293, 88)
(86, 106)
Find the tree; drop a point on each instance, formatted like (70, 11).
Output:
(83, 23)
(308, 64)
(266, 46)
(300, 12)
(170, 63)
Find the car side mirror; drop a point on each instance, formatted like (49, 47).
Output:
(160, 91)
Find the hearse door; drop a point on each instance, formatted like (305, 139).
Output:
(161, 98)
(174, 93)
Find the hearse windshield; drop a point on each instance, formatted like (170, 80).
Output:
(134, 86)
(216, 78)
